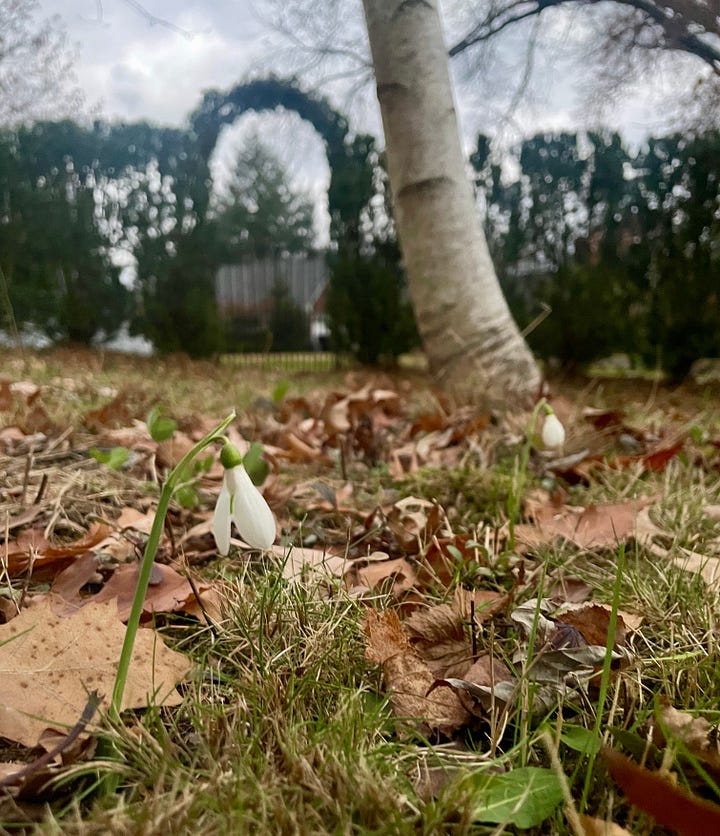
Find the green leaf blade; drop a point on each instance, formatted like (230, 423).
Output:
(114, 458)
(160, 426)
(525, 797)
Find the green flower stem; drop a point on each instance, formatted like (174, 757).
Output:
(516, 497)
(606, 672)
(148, 559)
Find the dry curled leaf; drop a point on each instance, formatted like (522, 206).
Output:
(437, 636)
(409, 679)
(696, 734)
(593, 623)
(486, 683)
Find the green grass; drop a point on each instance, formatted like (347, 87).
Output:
(282, 729)
(285, 727)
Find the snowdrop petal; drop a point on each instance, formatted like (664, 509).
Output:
(252, 515)
(553, 432)
(221, 521)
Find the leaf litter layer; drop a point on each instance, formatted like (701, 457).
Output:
(438, 635)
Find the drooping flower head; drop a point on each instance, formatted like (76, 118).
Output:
(553, 432)
(242, 503)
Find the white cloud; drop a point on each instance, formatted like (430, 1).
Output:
(140, 71)
(164, 81)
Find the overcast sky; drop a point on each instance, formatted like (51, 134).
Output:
(134, 69)
(131, 70)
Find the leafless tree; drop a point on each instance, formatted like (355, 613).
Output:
(36, 77)
(504, 50)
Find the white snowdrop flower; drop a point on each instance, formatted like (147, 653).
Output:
(242, 503)
(553, 432)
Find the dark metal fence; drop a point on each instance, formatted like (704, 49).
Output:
(290, 361)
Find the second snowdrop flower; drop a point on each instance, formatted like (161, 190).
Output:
(553, 432)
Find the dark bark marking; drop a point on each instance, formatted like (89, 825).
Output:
(423, 186)
(390, 87)
(408, 4)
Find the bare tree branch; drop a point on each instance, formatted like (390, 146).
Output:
(151, 19)
(36, 77)
(498, 18)
(322, 41)
(690, 26)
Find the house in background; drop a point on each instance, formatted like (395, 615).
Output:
(275, 303)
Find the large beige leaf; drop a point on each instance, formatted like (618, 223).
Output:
(695, 563)
(701, 564)
(303, 563)
(599, 526)
(48, 665)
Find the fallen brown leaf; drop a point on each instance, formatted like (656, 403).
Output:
(65, 589)
(437, 636)
(593, 622)
(168, 592)
(413, 521)
(135, 519)
(115, 413)
(667, 803)
(398, 574)
(696, 734)
(602, 419)
(409, 679)
(50, 664)
(704, 565)
(37, 420)
(304, 563)
(297, 450)
(11, 436)
(47, 560)
(599, 526)
(656, 460)
(480, 603)
(385, 636)
(171, 451)
(570, 590)
(6, 396)
(485, 673)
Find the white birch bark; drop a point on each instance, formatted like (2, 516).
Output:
(474, 348)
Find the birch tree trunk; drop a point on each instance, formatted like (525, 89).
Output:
(474, 348)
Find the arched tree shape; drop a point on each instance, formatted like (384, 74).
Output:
(176, 266)
(352, 161)
(349, 158)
